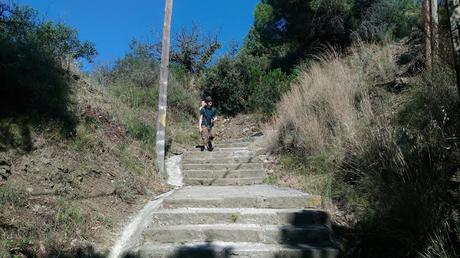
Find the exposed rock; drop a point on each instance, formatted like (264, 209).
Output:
(5, 171)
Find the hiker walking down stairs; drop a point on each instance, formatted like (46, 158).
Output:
(206, 122)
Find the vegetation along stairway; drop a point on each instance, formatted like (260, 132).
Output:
(226, 211)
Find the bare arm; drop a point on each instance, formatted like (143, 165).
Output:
(199, 122)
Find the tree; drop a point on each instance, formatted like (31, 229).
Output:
(193, 50)
(138, 67)
(430, 25)
(225, 82)
(32, 56)
(426, 18)
(434, 23)
(453, 12)
(382, 19)
(290, 31)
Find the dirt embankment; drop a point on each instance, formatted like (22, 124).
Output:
(61, 192)
(239, 126)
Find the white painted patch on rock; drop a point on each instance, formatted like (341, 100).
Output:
(132, 233)
(173, 168)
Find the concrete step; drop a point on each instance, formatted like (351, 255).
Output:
(193, 216)
(267, 234)
(228, 250)
(213, 160)
(224, 181)
(218, 155)
(253, 196)
(214, 174)
(243, 139)
(217, 149)
(231, 144)
(223, 166)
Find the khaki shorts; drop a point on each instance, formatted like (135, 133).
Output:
(206, 135)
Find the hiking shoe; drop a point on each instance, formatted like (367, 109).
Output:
(210, 148)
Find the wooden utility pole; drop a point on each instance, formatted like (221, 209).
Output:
(162, 100)
(453, 11)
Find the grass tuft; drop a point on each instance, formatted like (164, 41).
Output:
(11, 196)
(68, 218)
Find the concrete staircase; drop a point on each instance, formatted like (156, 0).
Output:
(225, 211)
(228, 164)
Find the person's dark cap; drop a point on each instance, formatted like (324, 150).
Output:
(208, 99)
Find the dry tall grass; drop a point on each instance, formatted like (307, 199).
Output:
(329, 106)
(387, 162)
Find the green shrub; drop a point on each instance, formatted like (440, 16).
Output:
(15, 133)
(384, 19)
(138, 67)
(133, 81)
(141, 130)
(225, 83)
(83, 137)
(267, 90)
(182, 101)
(135, 97)
(244, 83)
(33, 55)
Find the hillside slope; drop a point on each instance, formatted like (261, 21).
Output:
(375, 133)
(61, 191)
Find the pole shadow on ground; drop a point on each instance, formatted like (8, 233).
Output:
(308, 235)
(207, 250)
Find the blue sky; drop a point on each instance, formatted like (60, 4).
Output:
(111, 24)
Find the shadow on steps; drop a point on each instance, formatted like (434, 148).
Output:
(208, 250)
(309, 233)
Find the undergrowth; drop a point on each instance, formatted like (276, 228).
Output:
(389, 164)
(132, 85)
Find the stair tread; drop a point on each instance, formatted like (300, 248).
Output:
(269, 234)
(237, 226)
(262, 216)
(235, 210)
(218, 192)
(224, 178)
(221, 149)
(223, 181)
(239, 245)
(224, 170)
(230, 164)
(230, 160)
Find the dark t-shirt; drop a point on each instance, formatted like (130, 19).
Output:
(208, 114)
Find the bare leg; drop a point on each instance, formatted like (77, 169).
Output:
(205, 135)
(210, 138)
